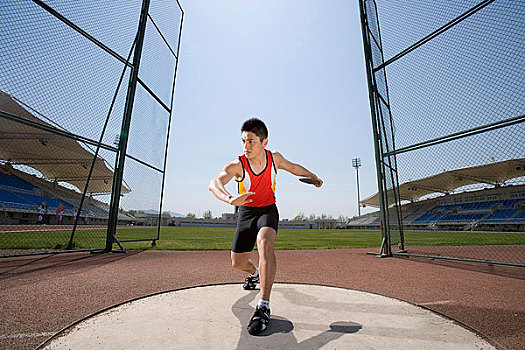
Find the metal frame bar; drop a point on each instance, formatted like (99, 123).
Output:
(461, 134)
(56, 131)
(81, 31)
(376, 99)
(406, 254)
(162, 36)
(143, 84)
(102, 134)
(52, 252)
(169, 123)
(126, 123)
(385, 162)
(70, 135)
(385, 248)
(390, 163)
(120, 150)
(435, 33)
(97, 42)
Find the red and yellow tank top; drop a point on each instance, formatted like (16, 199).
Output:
(262, 184)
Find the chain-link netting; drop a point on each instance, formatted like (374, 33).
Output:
(66, 75)
(448, 84)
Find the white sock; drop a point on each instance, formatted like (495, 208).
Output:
(256, 273)
(264, 303)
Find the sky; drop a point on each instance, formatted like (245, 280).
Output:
(298, 66)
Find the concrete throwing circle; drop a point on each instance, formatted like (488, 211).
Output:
(303, 317)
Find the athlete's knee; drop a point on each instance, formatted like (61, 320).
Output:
(266, 236)
(263, 242)
(265, 246)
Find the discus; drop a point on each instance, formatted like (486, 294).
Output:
(309, 181)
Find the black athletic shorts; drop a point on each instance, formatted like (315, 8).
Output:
(249, 221)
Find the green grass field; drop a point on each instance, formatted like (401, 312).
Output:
(201, 238)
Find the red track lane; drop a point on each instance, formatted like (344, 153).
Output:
(41, 295)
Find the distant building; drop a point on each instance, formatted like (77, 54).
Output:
(229, 220)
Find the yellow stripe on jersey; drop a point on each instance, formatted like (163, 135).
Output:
(241, 189)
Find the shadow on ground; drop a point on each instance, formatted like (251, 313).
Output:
(280, 335)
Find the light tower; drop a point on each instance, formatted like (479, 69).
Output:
(356, 163)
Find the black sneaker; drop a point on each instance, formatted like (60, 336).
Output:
(259, 321)
(250, 282)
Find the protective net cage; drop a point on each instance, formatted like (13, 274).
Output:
(86, 100)
(447, 94)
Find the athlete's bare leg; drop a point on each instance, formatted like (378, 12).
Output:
(267, 261)
(242, 261)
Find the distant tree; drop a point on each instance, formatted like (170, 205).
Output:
(207, 214)
(342, 218)
(190, 215)
(300, 217)
(132, 212)
(311, 217)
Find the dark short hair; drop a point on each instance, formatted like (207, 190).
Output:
(256, 126)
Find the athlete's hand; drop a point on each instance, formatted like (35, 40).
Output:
(320, 182)
(241, 199)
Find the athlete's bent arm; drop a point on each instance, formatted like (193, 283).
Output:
(296, 169)
(222, 178)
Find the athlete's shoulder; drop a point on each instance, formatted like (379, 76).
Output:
(277, 158)
(276, 154)
(237, 160)
(234, 167)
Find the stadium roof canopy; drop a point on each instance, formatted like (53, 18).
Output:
(492, 174)
(57, 157)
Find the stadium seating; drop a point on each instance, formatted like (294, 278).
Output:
(9, 199)
(461, 217)
(499, 208)
(499, 215)
(426, 217)
(519, 217)
(499, 211)
(16, 193)
(25, 192)
(11, 181)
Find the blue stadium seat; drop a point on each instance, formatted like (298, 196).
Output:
(11, 181)
(9, 199)
(519, 217)
(462, 217)
(501, 215)
(51, 202)
(424, 217)
(18, 194)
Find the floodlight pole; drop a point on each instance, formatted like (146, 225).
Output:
(356, 163)
(124, 132)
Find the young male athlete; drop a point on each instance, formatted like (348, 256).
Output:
(255, 172)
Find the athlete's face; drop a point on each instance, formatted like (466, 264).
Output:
(252, 145)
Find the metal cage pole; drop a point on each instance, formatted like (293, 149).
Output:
(126, 122)
(101, 138)
(169, 125)
(385, 227)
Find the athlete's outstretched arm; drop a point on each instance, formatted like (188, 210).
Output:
(222, 178)
(296, 169)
